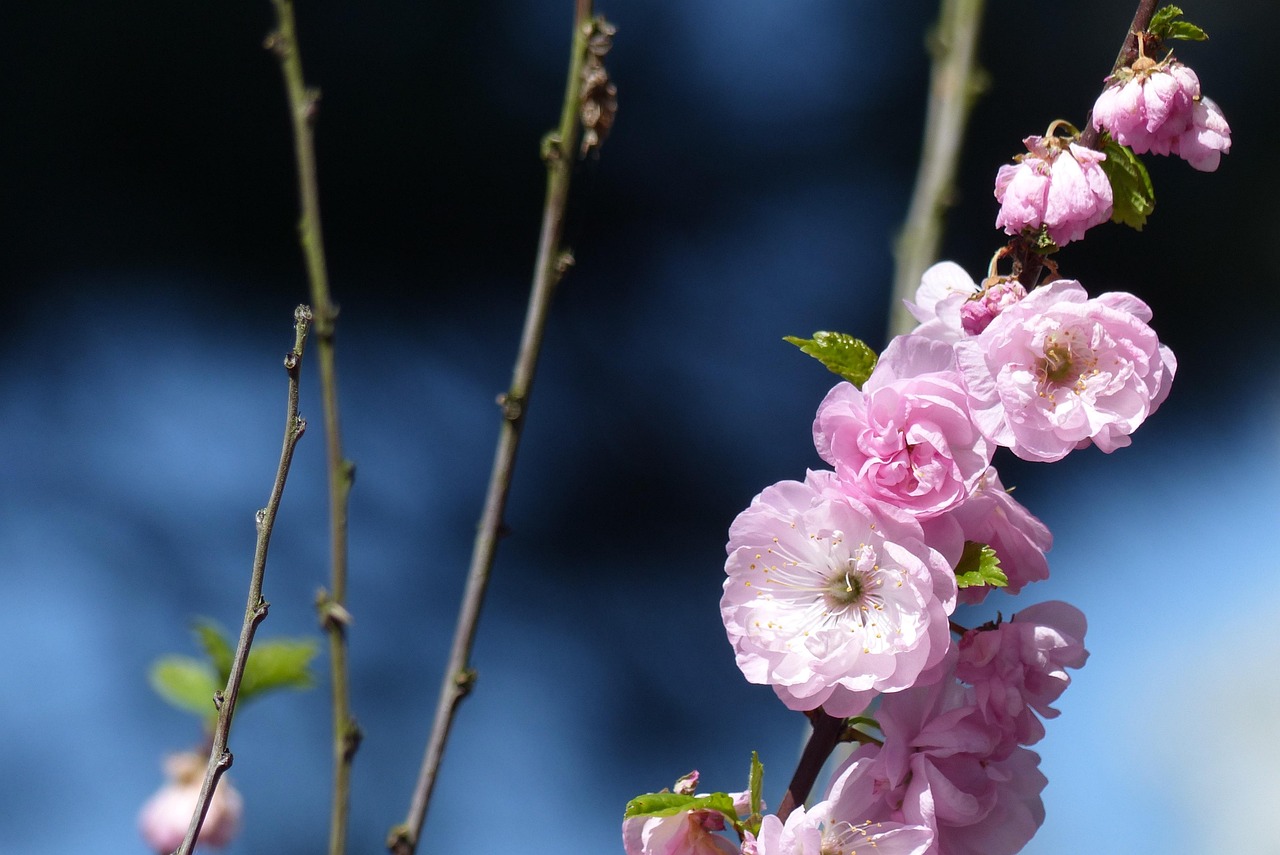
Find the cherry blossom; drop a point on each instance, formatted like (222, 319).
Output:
(950, 306)
(992, 516)
(1019, 668)
(830, 602)
(164, 819)
(1057, 185)
(1059, 370)
(689, 832)
(906, 439)
(1157, 107)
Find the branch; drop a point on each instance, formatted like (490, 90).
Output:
(827, 733)
(331, 604)
(255, 611)
(953, 86)
(559, 150)
(1028, 263)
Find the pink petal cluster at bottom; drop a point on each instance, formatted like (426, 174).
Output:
(164, 819)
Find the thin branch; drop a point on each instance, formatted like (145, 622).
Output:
(331, 604)
(559, 150)
(255, 611)
(953, 86)
(826, 735)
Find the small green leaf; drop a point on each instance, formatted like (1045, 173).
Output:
(1165, 25)
(278, 664)
(1133, 197)
(216, 646)
(842, 354)
(756, 783)
(185, 682)
(669, 804)
(979, 565)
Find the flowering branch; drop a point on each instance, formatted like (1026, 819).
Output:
(953, 86)
(331, 605)
(1128, 53)
(255, 612)
(1028, 263)
(587, 99)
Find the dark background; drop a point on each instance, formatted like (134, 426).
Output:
(760, 166)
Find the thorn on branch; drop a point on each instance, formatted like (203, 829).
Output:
(551, 149)
(352, 736)
(398, 842)
(333, 615)
(310, 105)
(512, 406)
(465, 680)
(277, 44)
(564, 261)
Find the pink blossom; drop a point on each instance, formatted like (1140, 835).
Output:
(830, 602)
(994, 517)
(950, 306)
(1208, 138)
(906, 439)
(1057, 185)
(998, 294)
(946, 768)
(164, 819)
(854, 817)
(689, 832)
(1019, 668)
(944, 288)
(1058, 370)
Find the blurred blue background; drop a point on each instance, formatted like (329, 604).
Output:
(759, 169)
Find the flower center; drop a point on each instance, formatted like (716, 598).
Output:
(845, 587)
(1065, 364)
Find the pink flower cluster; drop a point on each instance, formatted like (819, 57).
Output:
(1058, 186)
(1157, 107)
(953, 775)
(839, 588)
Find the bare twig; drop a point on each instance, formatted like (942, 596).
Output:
(255, 611)
(953, 85)
(331, 604)
(559, 149)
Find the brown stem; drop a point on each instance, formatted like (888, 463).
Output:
(827, 733)
(331, 604)
(559, 151)
(255, 611)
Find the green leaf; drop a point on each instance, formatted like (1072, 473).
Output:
(185, 682)
(1165, 25)
(979, 565)
(842, 354)
(216, 646)
(669, 804)
(278, 664)
(756, 782)
(1133, 197)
